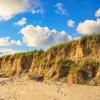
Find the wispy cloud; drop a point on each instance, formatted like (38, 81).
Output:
(97, 13)
(60, 9)
(21, 22)
(71, 23)
(38, 11)
(7, 51)
(6, 41)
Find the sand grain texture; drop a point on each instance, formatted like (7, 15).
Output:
(20, 89)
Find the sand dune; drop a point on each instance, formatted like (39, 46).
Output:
(21, 89)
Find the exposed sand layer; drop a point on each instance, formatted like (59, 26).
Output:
(20, 89)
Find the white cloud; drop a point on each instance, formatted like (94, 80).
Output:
(77, 38)
(38, 11)
(43, 36)
(10, 8)
(60, 9)
(89, 27)
(6, 41)
(71, 23)
(7, 51)
(97, 14)
(21, 22)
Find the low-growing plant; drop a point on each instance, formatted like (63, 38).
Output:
(90, 62)
(64, 67)
(6, 57)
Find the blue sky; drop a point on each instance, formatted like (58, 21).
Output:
(32, 24)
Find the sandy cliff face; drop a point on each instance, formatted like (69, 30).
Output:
(74, 62)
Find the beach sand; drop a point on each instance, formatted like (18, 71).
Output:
(22, 89)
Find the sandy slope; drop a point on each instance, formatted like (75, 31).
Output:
(20, 89)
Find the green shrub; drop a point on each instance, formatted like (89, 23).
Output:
(90, 62)
(64, 66)
(85, 63)
(50, 63)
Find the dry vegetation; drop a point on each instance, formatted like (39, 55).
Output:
(77, 61)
